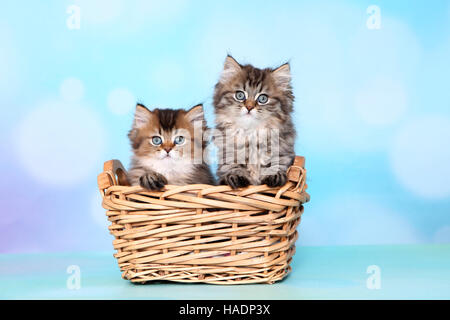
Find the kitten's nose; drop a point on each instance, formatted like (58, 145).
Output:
(167, 149)
(250, 104)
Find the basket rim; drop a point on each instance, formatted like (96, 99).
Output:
(115, 175)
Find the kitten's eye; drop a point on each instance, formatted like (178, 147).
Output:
(263, 99)
(239, 96)
(156, 141)
(179, 140)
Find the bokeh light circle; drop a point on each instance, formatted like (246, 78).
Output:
(420, 157)
(60, 144)
(72, 89)
(382, 102)
(121, 101)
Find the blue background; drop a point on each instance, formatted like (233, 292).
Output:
(372, 108)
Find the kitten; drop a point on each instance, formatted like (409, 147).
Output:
(163, 145)
(252, 105)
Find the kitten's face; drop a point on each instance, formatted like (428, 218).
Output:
(249, 97)
(164, 134)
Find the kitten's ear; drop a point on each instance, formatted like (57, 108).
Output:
(230, 68)
(141, 116)
(282, 75)
(195, 113)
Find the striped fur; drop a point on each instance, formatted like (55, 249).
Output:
(153, 166)
(256, 142)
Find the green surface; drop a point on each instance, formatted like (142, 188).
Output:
(407, 272)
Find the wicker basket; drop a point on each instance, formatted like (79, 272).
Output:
(203, 233)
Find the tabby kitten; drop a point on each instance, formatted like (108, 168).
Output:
(163, 143)
(253, 106)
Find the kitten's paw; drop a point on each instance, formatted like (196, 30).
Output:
(152, 181)
(235, 181)
(276, 180)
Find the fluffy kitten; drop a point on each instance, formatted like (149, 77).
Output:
(163, 143)
(253, 106)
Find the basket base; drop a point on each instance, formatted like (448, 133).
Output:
(205, 274)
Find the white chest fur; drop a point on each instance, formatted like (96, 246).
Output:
(176, 171)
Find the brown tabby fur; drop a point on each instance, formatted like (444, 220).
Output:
(152, 166)
(243, 125)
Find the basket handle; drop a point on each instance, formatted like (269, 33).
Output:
(113, 173)
(295, 171)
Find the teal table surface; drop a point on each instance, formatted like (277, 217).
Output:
(341, 272)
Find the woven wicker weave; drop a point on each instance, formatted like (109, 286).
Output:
(203, 233)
